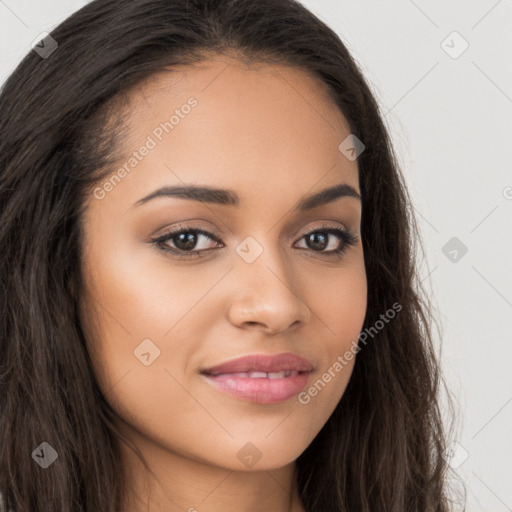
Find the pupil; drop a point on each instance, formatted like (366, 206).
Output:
(186, 241)
(314, 238)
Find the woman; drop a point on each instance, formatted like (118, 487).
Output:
(209, 294)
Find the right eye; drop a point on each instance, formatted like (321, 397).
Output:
(185, 240)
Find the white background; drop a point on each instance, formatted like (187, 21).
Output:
(451, 122)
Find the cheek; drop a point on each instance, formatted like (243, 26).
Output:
(146, 318)
(339, 299)
(125, 306)
(341, 308)
(137, 323)
(135, 294)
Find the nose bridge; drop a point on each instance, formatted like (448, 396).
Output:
(268, 294)
(260, 259)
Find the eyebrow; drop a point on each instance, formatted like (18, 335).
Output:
(229, 198)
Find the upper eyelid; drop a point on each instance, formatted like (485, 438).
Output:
(214, 234)
(217, 233)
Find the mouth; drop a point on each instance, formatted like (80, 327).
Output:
(259, 375)
(263, 379)
(267, 363)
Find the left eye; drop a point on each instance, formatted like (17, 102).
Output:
(185, 241)
(322, 241)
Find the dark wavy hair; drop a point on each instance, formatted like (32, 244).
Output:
(381, 449)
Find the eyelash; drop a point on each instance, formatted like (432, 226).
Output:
(346, 236)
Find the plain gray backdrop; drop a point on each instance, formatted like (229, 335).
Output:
(442, 74)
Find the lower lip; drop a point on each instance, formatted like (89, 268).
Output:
(260, 390)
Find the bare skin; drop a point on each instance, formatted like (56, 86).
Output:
(270, 134)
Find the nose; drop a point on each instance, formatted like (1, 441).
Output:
(267, 296)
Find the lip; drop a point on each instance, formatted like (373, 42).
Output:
(228, 377)
(262, 363)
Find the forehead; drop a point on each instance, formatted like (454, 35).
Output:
(256, 128)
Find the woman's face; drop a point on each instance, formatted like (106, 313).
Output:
(258, 282)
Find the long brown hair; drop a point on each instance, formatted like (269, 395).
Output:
(381, 450)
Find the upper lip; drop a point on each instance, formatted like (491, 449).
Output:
(263, 363)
